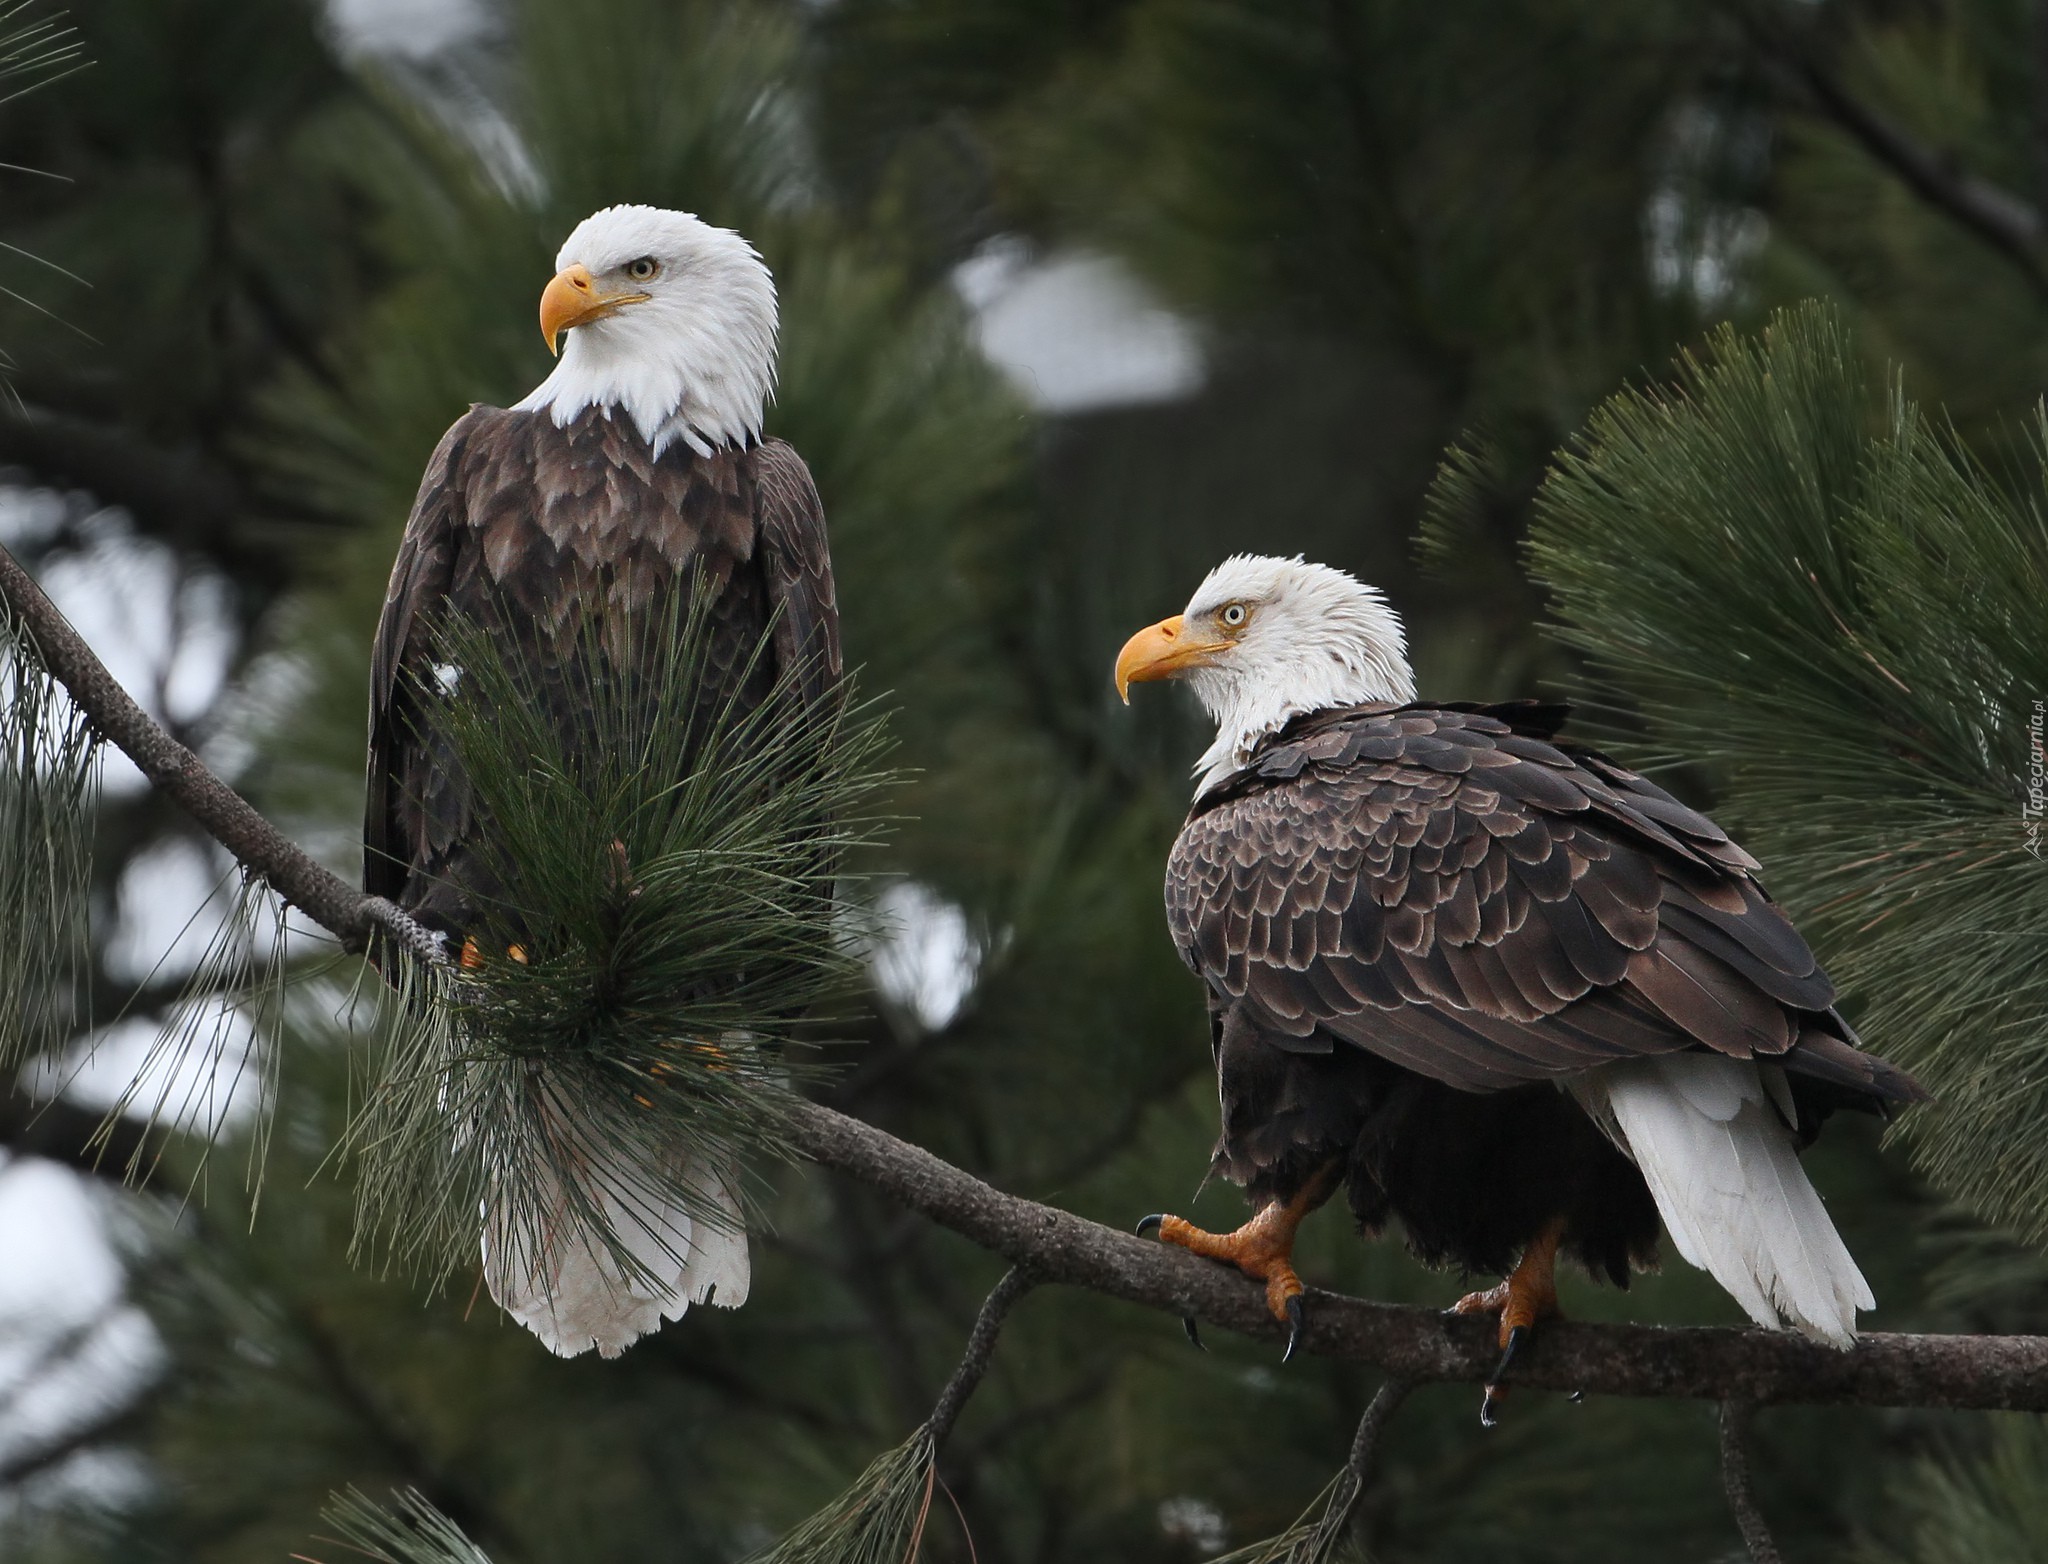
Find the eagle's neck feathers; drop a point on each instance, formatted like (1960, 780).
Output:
(703, 382)
(1249, 711)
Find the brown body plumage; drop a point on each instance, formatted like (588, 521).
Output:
(1416, 924)
(560, 541)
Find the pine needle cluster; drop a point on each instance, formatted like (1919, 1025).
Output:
(664, 866)
(34, 49)
(879, 1519)
(1811, 591)
(414, 1533)
(1318, 1536)
(49, 784)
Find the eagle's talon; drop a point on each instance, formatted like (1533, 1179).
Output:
(1263, 1248)
(1187, 1323)
(1297, 1321)
(1490, 1301)
(1496, 1385)
(1489, 1405)
(1518, 1336)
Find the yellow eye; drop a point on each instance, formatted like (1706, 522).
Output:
(644, 269)
(1234, 615)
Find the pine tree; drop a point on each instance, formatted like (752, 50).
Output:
(1392, 228)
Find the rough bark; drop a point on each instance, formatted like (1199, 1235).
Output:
(1983, 1373)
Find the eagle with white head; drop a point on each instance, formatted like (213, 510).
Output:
(566, 527)
(1491, 984)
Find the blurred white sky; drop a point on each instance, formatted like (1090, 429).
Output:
(1075, 331)
(413, 29)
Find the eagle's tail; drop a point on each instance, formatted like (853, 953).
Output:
(559, 1280)
(1712, 1138)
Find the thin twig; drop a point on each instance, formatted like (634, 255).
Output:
(1357, 1474)
(1756, 1536)
(981, 1345)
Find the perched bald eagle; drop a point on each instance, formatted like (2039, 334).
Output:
(566, 527)
(1489, 983)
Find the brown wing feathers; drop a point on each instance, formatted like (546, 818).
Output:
(1488, 909)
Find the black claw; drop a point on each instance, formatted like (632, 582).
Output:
(1297, 1318)
(1496, 1384)
(1576, 1397)
(1150, 1224)
(1517, 1339)
(1187, 1323)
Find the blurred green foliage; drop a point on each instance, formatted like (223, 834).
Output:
(1808, 591)
(1387, 227)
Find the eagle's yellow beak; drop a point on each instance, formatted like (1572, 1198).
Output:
(572, 299)
(1159, 652)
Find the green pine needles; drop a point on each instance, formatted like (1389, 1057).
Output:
(34, 49)
(879, 1519)
(414, 1533)
(49, 782)
(1810, 589)
(664, 863)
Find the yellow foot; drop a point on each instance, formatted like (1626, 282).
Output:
(472, 956)
(1263, 1249)
(1529, 1294)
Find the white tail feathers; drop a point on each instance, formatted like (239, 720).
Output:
(1711, 1137)
(561, 1282)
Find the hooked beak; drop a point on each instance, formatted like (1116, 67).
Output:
(571, 299)
(1159, 652)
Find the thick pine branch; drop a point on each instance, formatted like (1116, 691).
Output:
(1985, 1373)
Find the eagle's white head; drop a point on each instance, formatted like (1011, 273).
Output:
(669, 320)
(1264, 640)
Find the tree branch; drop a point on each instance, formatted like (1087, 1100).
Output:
(257, 845)
(177, 498)
(83, 1139)
(1756, 1536)
(1985, 1373)
(1997, 216)
(113, 1423)
(981, 1345)
(1357, 1474)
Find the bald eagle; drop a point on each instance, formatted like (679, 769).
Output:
(566, 527)
(1491, 984)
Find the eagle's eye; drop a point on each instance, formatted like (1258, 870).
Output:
(1234, 615)
(644, 269)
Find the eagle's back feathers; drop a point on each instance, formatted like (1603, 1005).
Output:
(1490, 908)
